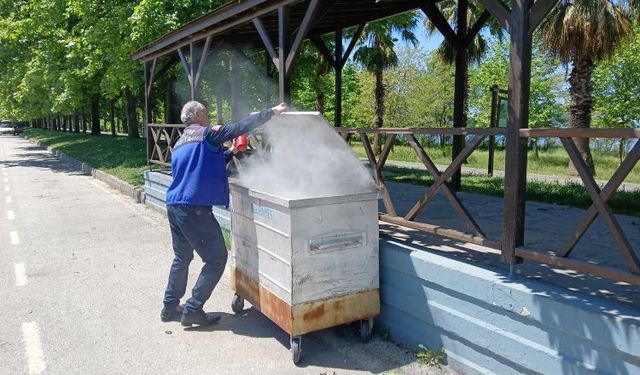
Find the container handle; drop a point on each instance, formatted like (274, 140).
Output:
(337, 242)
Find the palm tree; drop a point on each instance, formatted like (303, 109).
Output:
(583, 32)
(446, 52)
(376, 54)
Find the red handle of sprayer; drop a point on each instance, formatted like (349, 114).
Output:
(240, 143)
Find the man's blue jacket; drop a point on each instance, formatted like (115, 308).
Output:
(198, 162)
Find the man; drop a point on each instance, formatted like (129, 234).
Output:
(200, 181)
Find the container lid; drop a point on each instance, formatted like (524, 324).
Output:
(307, 202)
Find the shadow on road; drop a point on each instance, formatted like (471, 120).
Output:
(38, 157)
(337, 347)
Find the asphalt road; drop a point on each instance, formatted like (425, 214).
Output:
(82, 272)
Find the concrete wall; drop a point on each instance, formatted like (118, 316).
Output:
(486, 323)
(155, 188)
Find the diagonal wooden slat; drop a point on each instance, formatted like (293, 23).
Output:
(630, 257)
(539, 10)
(386, 198)
(351, 45)
(203, 61)
(434, 15)
(302, 32)
(185, 66)
(435, 173)
(607, 192)
(323, 49)
(453, 167)
(499, 11)
(370, 156)
(475, 29)
(266, 39)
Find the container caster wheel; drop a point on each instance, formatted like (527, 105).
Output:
(237, 304)
(296, 349)
(366, 327)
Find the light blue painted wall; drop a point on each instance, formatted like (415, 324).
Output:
(486, 323)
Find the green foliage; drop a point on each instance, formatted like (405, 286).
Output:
(617, 87)
(114, 155)
(385, 334)
(430, 357)
(547, 99)
(418, 92)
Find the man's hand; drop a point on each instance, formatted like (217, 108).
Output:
(282, 107)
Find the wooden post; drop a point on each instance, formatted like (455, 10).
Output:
(338, 70)
(459, 107)
(518, 118)
(283, 52)
(234, 87)
(494, 124)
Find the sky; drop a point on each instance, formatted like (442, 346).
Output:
(428, 43)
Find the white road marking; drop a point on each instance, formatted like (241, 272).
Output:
(11, 215)
(15, 240)
(8, 199)
(33, 348)
(6, 188)
(21, 274)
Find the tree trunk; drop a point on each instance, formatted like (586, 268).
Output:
(219, 109)
(379, 110)
(623, 142)
(132, 120)
(581, 93)
(320, 73)
(112, 119)
(76, 123)
(171, 103)
(95, 115)
(235, 88)
(84, 120)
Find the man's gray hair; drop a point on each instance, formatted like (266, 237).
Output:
(189, 111)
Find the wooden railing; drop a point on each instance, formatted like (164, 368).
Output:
(162, 137)
(160, 141)
(599, 206)
(475, 233)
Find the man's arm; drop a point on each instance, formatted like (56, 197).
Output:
(220, 134)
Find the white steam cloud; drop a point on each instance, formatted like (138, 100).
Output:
(305, 158)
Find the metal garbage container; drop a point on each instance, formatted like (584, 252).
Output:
(307, 264)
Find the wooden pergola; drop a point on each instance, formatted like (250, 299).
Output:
(279, 27)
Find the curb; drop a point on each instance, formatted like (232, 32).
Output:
(123, 187)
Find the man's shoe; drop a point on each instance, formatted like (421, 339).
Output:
(200, 318)
(168, 314)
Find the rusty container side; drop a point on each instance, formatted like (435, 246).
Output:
(306, 264)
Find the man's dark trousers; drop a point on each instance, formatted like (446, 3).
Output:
(194, 228)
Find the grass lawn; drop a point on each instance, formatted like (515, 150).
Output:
(573, 195)
(551, 162)
(127, 160)
(117, 156)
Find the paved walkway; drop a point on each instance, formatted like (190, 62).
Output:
(547, 226)
(82, 274)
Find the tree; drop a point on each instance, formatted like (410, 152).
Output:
(616, 88)
(546, 99)
(583, 32)
(375, 52)
(446, 52)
